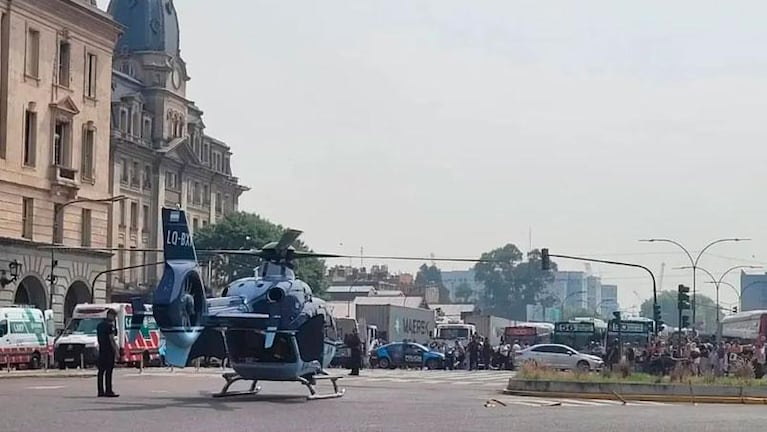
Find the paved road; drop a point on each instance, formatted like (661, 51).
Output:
(377, 401)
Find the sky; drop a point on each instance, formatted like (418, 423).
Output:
(412, 127)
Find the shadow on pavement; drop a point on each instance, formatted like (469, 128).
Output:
(204, 401)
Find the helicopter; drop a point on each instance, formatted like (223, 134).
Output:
(271, 327)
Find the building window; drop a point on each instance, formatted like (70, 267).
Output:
(63, 65)
(134, 179)
(85, 228)
(91, 68)
(124, 171)
(89, 138)
(147, 132)
(122, 214)
(33, 53)
(123, 120)
(61, 142)
(58, 223)
(30, 138)
(147, 176)
(27, 217)
(195, 224)
(206, 195)
(147, 219)
(218, 202)
(120, 258)
(134, 216)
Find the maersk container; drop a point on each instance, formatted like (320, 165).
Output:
(491, 327)
(397, 323)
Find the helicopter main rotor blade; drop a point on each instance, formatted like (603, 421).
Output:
(287, 239)
(401, 258)
(246, 252)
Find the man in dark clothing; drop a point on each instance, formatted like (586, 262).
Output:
(108, 354)
(354, 343)
(473, 349)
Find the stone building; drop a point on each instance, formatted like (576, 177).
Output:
(160, 153)
(55, 70)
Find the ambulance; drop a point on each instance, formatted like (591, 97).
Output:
(26, 337)
(78, 345)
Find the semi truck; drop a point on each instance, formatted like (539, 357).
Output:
(399, 323)
(489, 326)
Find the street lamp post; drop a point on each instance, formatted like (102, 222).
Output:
(56, 211)
(693, 261)
(717, 283)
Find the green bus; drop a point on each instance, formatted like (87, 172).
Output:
(580, 334)
(636, 331)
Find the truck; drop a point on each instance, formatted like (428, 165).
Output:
(489, 326)
(344, 326)
(452, 331)
(26, 337)
(399, 323)
(77, 346)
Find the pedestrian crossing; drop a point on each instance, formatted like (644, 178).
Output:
(507, 400)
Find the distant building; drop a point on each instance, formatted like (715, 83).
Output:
(594, 293)
(570, 290)
(753, 291)
(457, 278)
(609, 302)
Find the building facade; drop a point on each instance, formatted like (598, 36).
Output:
(56, 58)
(609, 302)
(160, 155)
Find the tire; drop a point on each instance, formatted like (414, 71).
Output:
(384, 363)
(432, 364)
(583, 366)
(34, 361)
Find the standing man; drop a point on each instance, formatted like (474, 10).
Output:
(354, 343)
(109, 353)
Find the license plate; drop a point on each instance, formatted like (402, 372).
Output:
(69, 359)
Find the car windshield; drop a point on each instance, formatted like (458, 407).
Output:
(83, 326)
(453, 333)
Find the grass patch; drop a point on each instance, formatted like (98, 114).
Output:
(536, 372)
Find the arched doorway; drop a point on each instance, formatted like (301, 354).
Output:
(77, 293)
(31, 291)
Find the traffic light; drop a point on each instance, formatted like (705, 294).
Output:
(683, 298)
(656, 313)
(685, 322)
(545, 260)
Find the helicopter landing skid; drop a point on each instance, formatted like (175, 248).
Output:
(232, 378)
(337, 393)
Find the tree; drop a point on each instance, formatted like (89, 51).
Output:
(431, 275)
(706, 310)
(511, 283)
(243, 230)
(463, 292)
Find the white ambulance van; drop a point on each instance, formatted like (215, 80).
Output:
(78, 343)
(26, 337)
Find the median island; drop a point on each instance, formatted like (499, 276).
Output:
(623, 384)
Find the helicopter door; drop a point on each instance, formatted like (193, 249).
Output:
(310, 338)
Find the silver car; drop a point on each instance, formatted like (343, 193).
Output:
(558, 356)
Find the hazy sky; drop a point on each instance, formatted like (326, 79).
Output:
(453, 127)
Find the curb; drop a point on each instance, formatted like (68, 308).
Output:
(46, 375)
(647, 397)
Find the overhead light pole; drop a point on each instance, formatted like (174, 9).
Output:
(693, 261)
(717, 283)
(56, 227)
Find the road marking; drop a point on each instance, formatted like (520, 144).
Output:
(45, 387)
(159, 391)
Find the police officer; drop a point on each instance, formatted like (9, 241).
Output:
(108, 353)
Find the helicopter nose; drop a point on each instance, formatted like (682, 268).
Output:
(275, 294)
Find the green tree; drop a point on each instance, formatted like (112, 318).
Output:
(510, 283)
(706, 310)
(431, 275)
(463, 292)
(243, 230)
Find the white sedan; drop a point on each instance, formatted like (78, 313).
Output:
(559, 357)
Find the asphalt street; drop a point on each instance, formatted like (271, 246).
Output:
(378, 400)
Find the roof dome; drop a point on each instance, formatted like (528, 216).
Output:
(150, 25)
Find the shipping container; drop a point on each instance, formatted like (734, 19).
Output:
(491, 327)
(397, 323)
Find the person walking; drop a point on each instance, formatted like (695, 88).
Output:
(355, 346)
(109, 354)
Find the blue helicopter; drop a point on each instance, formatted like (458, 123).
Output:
(272, 327)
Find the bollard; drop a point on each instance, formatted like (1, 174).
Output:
(82, 361)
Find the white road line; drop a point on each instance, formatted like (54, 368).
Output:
(579, 402)
(45, 387)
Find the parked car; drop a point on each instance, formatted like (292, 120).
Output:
(407, 354)
(559, 357)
